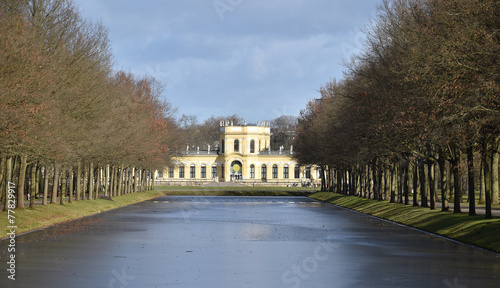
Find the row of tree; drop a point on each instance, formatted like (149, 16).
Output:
(69, 125)
(418, 110)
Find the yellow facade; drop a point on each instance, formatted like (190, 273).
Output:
(244, 156)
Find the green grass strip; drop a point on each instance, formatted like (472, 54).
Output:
(474, 230)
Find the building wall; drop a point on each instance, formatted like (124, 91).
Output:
(229, 154)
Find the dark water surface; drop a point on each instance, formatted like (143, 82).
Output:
(181, 241)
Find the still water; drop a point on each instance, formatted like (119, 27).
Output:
(233, 242)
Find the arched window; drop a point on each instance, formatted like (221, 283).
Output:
(285, 172)
(264, 172)
(236, 145)
(252, 171)
(252, 146)
(275, 171)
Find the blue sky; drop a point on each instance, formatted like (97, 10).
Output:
(259, 59)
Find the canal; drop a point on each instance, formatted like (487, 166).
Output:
(234, 242)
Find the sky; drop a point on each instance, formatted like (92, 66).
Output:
(258, 59)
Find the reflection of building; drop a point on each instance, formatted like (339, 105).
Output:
(244, 156)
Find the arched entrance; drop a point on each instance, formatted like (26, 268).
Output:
(236, 170)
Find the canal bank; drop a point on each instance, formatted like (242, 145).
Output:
(473, 230)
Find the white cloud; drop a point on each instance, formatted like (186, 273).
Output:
(266, 56)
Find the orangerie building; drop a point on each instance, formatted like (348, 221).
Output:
(244, 156)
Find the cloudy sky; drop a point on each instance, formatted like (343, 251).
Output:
(259, 59)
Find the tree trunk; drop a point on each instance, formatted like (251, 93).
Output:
(39, 186)
(432, 178)
(486, 160)
(152, 180)
(34, 183)
(405, 183)
(386, 182)
(8, 179)
(97, 182)
(494, 172)
(393, 191)
(85, 182)
(482, 198)
(46, 173)
(113, 178)
(457, 191)
(338, 180)
(78, 180)
(375, 183)
(400, 184)
(63, 185)
(22, 179)
(71, 184)
(470, 179)
(444, 183)
(107, 181)
(91, 180)
(55, 184)
(126, 180)
(3, 161)
(415, 184)
(135, 180)
(423, 190)
(120, 180)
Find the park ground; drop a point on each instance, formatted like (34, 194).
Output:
(474, 230)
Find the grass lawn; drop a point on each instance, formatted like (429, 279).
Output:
(473, 230)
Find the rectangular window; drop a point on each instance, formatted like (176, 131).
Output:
(214, 172)
(203, 171)
(297, 172)
(285, 172)
(252, 172)
(181, 171)
(236, 146)
(264, 172)
(192, 171)
(275, 171)
(170, 172)
(160, 173)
